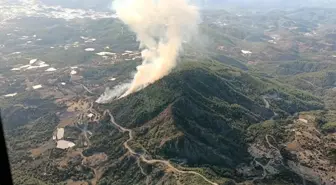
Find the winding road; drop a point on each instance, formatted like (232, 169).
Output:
(151, 161)
(270, 162)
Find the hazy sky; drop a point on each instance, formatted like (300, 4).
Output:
(259, 4)
(267, 3)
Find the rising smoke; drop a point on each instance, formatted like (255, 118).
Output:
(111, 94)
(161, 26)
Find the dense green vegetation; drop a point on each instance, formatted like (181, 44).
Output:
(329, 127)
(231, 62)
(200, 111)
(24, 179)
(216, 82)
(326, 120)
(294, 68)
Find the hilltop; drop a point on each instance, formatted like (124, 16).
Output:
(217, 86)
(198, 117)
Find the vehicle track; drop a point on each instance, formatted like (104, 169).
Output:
(150, 161)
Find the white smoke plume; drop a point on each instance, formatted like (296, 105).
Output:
(110, 95)
(161, 26)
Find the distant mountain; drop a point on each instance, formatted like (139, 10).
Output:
(217, 4)
(260, 4)
(82, 4)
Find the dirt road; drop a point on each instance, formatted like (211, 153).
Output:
(151, 161)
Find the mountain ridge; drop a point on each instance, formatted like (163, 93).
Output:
(198, 117)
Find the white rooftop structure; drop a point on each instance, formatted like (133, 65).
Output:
(90, 115)
(37, 86)
(10, 95)
(60, 133)
(303, 120)
(32, 61)
(105, 53)
(73, 72)
(50, 69)
(32, 65)
(89, 49)
(62, 144)
(272, 42)
(246, 52)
